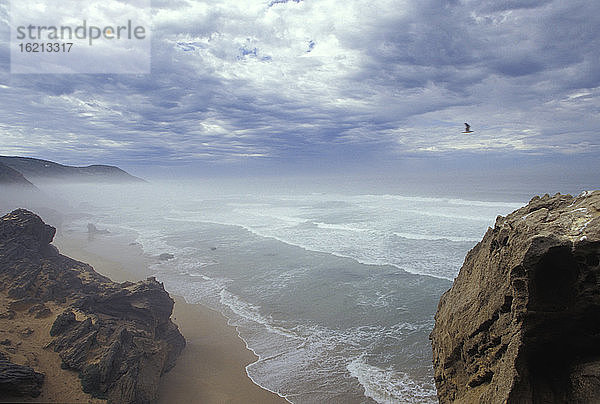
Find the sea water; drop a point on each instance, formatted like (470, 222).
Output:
(334, 293)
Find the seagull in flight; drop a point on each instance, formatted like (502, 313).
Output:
(467, 128)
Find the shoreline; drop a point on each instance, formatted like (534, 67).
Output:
(213, 366)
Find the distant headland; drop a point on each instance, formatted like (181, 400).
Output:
(33, 170)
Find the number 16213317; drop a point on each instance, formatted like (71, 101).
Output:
(45, 47)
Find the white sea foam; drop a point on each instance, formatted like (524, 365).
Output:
(389, 387)
(299, 351)
(358, 227)
(441, 201)
(432, 237)
(343, 241)
(251, 312)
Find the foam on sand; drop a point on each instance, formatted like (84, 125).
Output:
(388, 387)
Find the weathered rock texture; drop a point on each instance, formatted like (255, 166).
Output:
(521, 324)
(118, 336)
(19, 380)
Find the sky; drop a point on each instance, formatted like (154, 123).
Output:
(288, 86)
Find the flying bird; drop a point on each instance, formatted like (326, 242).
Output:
(467, 128)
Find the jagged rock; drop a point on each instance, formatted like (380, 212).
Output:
(25, 229)
(10, 314)
(62, 322)
(18, 380)
(521, 324)
(118, 336)
(138, 322)
(43, 313)
(166, 256)
(40, 310)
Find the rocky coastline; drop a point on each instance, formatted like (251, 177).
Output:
(118, 337)
(521, 323)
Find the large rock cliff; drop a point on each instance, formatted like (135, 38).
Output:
(119, 337)
(521, 324)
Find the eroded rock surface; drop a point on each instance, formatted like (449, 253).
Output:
(118, 336)
(521, 324)
(19, 380)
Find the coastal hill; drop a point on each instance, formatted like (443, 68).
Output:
(36, 169)
(521, 324)
(18, 191)
(10, 176)
(56, 313)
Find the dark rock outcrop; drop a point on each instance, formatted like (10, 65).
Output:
(47, 170)
(521, 324)
(18, 380)
(165, 257)
(93, 230)
(118, 336)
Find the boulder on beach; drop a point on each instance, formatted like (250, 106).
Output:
(93, 230)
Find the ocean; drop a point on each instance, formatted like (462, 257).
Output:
(335, 293)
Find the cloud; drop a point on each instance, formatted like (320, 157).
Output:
(301, 80)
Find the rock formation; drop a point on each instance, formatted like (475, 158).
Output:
(521, 324)
(19, 380)
(165, 257)
(119, 337)
(93, 230)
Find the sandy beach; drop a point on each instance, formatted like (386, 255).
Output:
(211, 369)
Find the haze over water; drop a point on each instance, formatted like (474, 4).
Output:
(334, 291)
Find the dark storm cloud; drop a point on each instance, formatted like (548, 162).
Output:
(233, 82)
